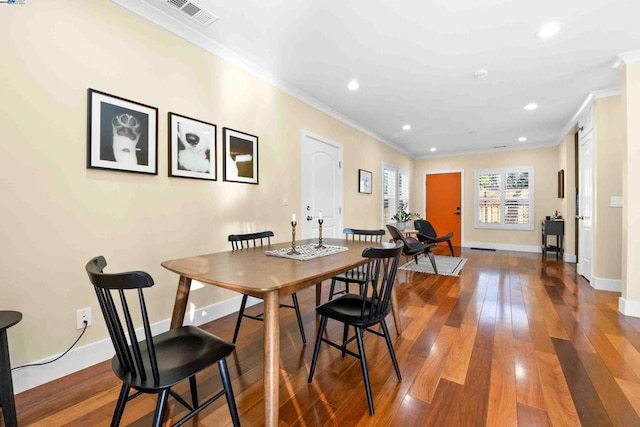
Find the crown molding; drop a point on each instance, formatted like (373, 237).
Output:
(173, 25)
(629, 57)
(484, 151)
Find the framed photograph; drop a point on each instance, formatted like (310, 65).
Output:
(561, 184)
(192, 148)
(364, 181)
(240, 156)
(121, 134)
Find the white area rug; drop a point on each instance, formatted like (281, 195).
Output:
(447, 265)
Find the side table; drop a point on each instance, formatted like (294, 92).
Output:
(7, 401)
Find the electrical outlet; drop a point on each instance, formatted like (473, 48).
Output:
(82, 315)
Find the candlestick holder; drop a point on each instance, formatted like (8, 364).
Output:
(292, 250)
(320, 245)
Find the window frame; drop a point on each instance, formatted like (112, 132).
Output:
(502, 198)
(397, 171)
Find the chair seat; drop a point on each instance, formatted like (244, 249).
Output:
(415, 248)
(181, 353)
(348, 309)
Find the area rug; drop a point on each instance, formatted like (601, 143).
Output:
(447, 265)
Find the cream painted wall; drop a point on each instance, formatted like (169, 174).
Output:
(608, 116)
(631, 177)
(545, 163)
(57, 213)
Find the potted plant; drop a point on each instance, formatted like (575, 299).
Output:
(402, 217)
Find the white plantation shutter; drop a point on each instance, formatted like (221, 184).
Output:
(504, 198)
(389, 197)
(403, 188)
(395, 188)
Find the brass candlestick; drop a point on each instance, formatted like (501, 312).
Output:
(320, 245)
(293, 250)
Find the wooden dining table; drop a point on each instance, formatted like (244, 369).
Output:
(250, 271)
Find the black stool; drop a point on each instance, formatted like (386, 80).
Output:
(7, 320)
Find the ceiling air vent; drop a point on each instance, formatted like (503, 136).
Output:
(194, 11)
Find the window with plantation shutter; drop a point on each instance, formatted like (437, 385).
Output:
(389, 194)
(504, 198)
(395, 189)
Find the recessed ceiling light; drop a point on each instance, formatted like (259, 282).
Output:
(531, 106)
(406, 127)
(432, 149)
(353, 85)
(481, 73)
(522, 139)
(548, 30)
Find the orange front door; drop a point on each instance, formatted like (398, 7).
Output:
(443, 204)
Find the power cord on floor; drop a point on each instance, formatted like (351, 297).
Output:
(57, 358)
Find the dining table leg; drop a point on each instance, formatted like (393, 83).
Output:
(394, 310)
(180, 305)
(271, 358)
(318, 293)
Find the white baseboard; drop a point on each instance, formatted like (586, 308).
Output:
(604, 284)
(517, 248)
(99, 351)
(629, 308)
(502, 246)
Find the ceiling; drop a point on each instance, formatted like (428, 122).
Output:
(415, 61)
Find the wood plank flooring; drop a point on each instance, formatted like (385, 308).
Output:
(515, 340)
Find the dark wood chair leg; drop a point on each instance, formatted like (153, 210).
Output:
(365, 372)
(345, 336)
(240, 314)
(161, 407)
(332, 289)
(385, 332)
(226, 383)
(450, 247)
(300, 325)
(7, 399)
(433, 261)
(194, 390)
(316, 350)
(122, 401)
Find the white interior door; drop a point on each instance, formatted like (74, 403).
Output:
(585, 208)
(321, 186)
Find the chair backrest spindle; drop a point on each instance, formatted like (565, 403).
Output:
(381, 269)
(244, 241)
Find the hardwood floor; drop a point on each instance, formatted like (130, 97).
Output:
(514, 340)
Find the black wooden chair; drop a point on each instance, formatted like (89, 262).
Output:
(427, 234)
(243, 241)
(364, 311)
(412, 247)
(357, 275)
(157, 363)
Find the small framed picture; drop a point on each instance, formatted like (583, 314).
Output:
(364, 181)
(561, 184)
(121, 134)
(192, 148)
(240, 156)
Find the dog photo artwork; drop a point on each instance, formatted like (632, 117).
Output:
(122, 134)
(192, 148)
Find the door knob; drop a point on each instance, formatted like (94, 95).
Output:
(309, 218)
(457, 213)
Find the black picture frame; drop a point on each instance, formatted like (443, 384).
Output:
(192, 148)
(240, 156)
(121, 134)
(365, 179)
(561, 184)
